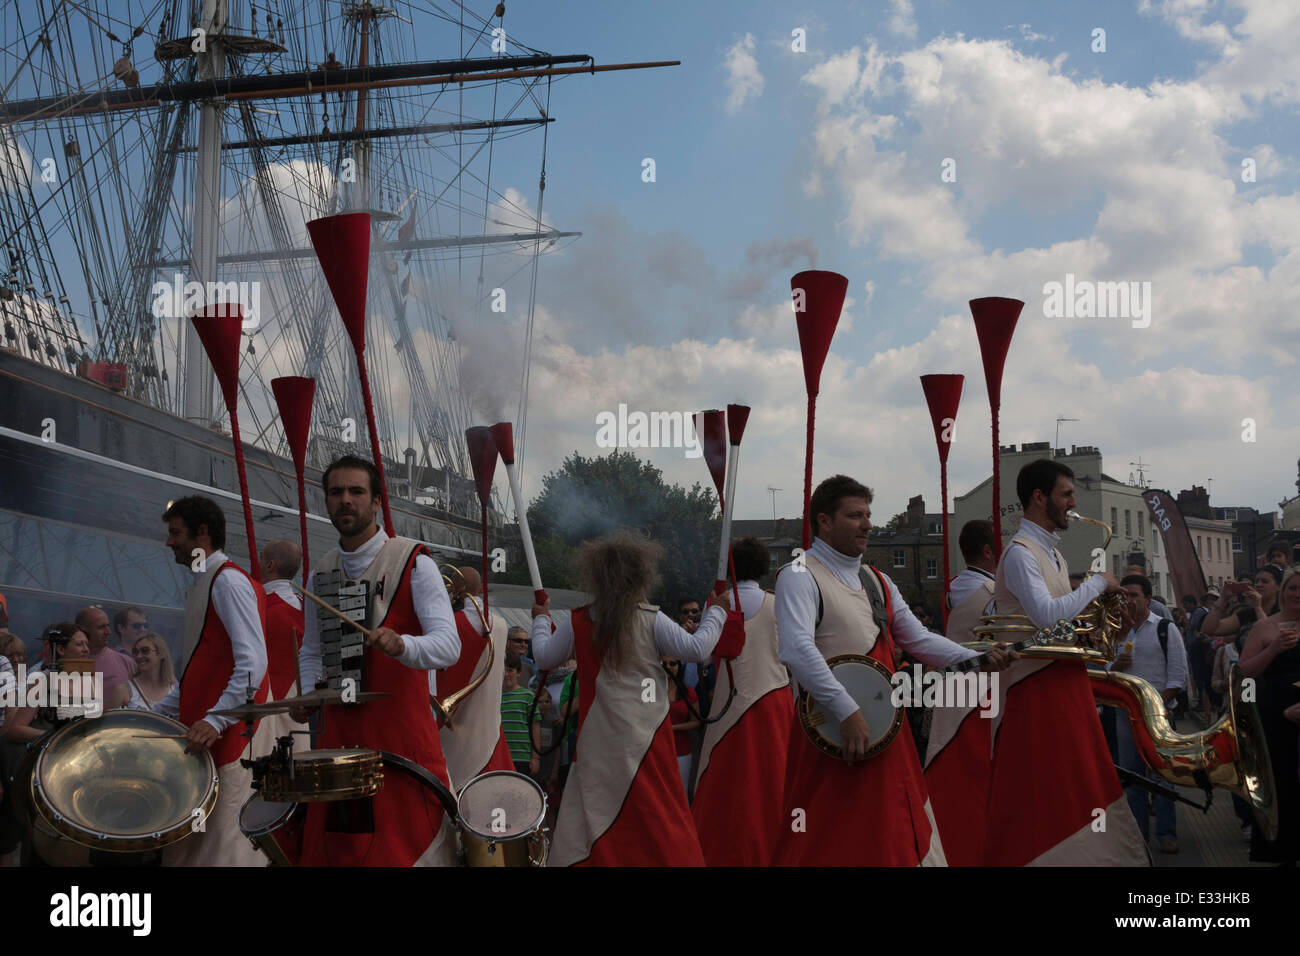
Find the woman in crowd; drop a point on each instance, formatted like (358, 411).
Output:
(156, 677)
(1271, 657)
(680, 716)
(624, 804)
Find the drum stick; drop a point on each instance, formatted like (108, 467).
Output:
(337, 613)
(161, 736)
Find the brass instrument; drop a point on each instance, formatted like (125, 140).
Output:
(1231, 754)
(1097, 628)
(446, 706)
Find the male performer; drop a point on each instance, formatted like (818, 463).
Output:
(475, 742)
(223, 657)
(1051, 772)
(741, 773)
(972, 590)
(827, 605)
(413, 633)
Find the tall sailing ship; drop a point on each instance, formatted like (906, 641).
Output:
(151, 152)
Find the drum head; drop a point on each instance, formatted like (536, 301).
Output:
(340, 754)
(873, 692)
(501, 805)
(258, 817)
(99, 782)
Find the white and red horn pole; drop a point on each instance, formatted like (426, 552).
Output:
(737, 416)
(504, 436)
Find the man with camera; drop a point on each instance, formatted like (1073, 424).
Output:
(1153, 650)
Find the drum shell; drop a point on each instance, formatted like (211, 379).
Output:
(345, 774)
(526, 846)
(56, 826)
(281, 840)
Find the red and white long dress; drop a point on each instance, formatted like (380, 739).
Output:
(1038, 774)
(410, 826)
(475, 743)
(875, 812)
(741, 780)
(224, 654)
(623, 803)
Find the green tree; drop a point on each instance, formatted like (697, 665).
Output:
(591, 497)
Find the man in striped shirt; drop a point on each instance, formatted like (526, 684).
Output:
(515, 702)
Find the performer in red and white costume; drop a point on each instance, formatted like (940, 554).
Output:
(281, 561)
(1050, 769)
(837, 812)
(414, 633)
(972, 591)
(741, 780)
(475, 743)
(624, 804)
(224, 655)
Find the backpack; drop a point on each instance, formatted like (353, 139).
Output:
(1180, 704)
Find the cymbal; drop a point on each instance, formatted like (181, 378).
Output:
(315, 698)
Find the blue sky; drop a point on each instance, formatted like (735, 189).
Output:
(1115, 165)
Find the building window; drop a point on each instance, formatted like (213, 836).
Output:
(1200, 552)
(936, 527)
(1114, 518)
(1128, 523)
(1140, 531)
(900, 558)
(1236, 543)
(1155, 582)
(1115, 568)
(1218, 547)
(1155, 542)
(931, 568)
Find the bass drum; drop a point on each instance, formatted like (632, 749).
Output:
(117, 783)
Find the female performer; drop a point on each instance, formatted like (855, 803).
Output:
(624, 804)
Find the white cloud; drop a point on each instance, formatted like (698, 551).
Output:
(902, 20)
(744, 80)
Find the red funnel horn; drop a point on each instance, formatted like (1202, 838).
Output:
(715, 447)
(293, 397)
(818, 301)
(342, 245)
(218, 327)
(943, 395)
(503, 435)
(483, 461)
(737, 419)
(995, 322)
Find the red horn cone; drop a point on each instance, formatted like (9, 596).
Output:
(943, 395)
(995, 322)
(219, 327)
(715, 446)
(342, 245)
(818, 300)
(503, 436)
(483, 461)
(293, 397)
(737, 419)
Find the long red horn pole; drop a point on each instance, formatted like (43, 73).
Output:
(483, 460)
(737, 417)
(714, 435)
(219, 327)
(342, 245)
(818, 300)
(995, 321)
(293, 397)
(503, 436)
(943, 395)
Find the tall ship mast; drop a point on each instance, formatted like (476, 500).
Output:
(153, 154)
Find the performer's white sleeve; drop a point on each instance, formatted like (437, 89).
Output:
(1024, 579)
(551, 649)
(309, 662)
(235, 602)
(912, 636)
(674, 641)
(1176, 663)
(796, 618)
(439, 645)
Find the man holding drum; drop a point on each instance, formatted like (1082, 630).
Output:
(843, 811)
(414, 633)
(224, 655)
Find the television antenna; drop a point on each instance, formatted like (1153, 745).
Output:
(1057, 444)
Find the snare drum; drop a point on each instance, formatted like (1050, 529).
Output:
(500, 817)
(274, 828)
(318, 775)
(110, 783)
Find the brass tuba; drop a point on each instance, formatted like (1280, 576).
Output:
(446, 707)
(1231, 754)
